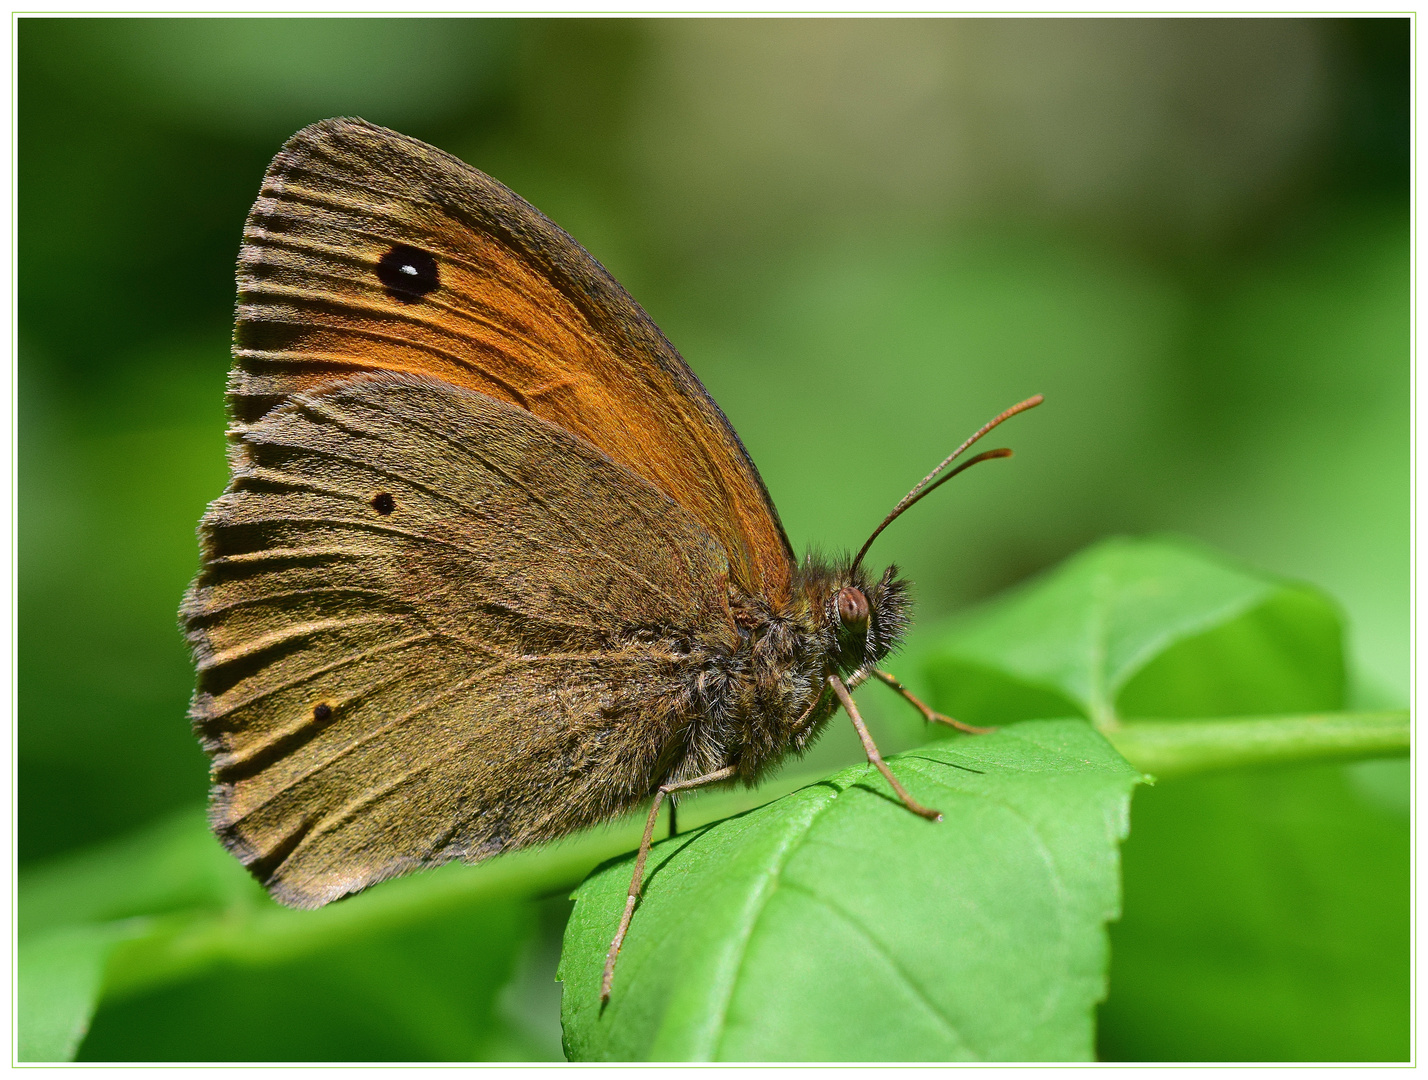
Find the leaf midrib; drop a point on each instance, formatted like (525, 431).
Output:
(768, 884)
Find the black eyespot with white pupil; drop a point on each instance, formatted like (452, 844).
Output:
(383, 503)
(408, 273)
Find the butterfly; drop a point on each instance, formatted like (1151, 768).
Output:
(492, 566)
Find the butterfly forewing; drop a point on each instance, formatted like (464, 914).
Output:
(370, 250)
(431, 625)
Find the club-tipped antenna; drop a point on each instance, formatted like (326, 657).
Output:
(926, 485)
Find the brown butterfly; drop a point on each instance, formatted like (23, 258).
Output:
(492, 565)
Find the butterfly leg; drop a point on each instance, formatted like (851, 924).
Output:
(927, 712)
(872, 751)
(807, 717)
(634, 894)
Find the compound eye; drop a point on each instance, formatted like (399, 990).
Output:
(853, 609)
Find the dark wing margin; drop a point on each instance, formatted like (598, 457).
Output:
(431, 626)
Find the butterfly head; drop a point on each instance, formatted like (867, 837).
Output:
(862, 619)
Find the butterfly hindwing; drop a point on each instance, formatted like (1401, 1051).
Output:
(369, 250)
(431, 625)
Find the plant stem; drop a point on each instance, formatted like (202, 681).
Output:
(1167, 748)
(187, 943)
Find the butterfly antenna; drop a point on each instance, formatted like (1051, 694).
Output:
(930, 483)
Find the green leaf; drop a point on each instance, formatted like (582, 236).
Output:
(1096, 636)
(167, 907)
(424, 991)
(59, 982)
(174, 865)
(1266, 911)
(1283, 656)
(835, 925)
(1267, 918)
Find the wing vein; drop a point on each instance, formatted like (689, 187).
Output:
(325, 669)
(322, 408)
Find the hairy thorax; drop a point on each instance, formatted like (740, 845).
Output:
(763, 694)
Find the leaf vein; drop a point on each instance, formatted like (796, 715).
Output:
(928, 1002)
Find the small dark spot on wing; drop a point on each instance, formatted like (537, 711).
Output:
(383, 503)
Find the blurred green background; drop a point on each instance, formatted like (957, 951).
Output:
(865, 236)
